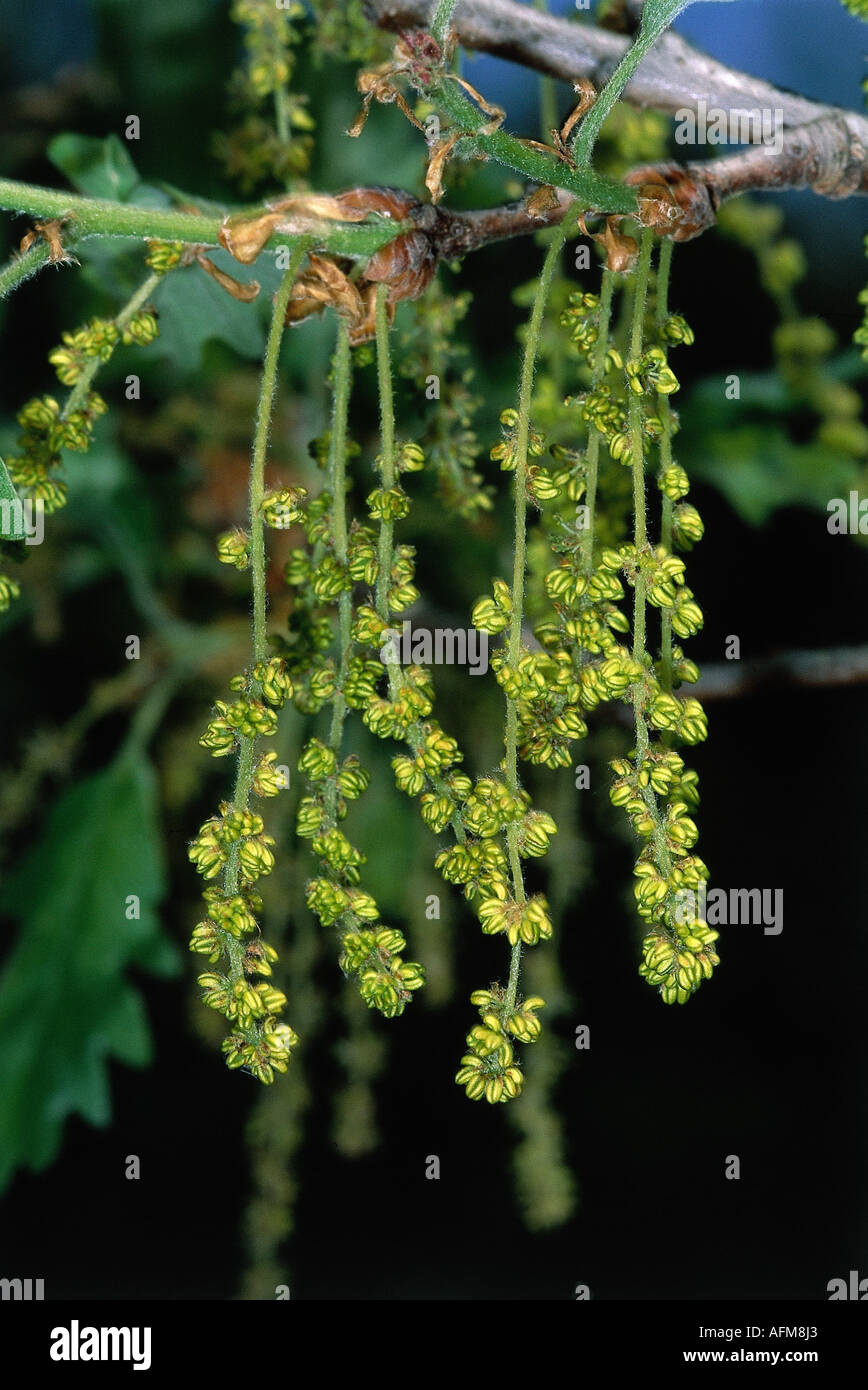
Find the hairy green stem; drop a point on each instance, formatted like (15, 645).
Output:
(281, 116)
(102, 217)
(522, 434)
(442, 20)
(640, 537)
(247, 745)
(337, 473)
(20, 268)
(260, 448)
(387, 447)
(87, 217)
(591, 190)
(385, 541)
(637, 447)
(663, 273)
(601, 347)
(592, 124)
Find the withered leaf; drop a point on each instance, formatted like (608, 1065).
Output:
(436, 164)
(238, 290)
(587, 96)
(621, 251)
(496, 113)
(298, 214)
(314, 206)
(244, 237)
(50, 231)
(324, 284)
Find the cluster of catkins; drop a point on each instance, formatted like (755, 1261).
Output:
(49, 427)
(580, 659)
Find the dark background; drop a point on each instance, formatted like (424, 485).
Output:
(768, 1061)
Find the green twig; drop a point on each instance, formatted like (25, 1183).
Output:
(20, 268)
(591, 190)
(260, 447)
(637, 446)
(640, 538)
(442, 20)
(88, 217)
(649, 33)
(665, 410)
(337, 472)
(601, 347)
(387, 446)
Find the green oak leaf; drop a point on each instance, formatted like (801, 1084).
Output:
(192, 308)
(67, 1004)
(9, 514)
(97, 168)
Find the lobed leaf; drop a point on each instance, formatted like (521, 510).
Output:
(67, 1006)
(8, 494)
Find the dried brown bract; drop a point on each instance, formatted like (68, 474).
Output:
(246, 292)
(587, 94)
(298, 214)
(673, 201)
(621, 251)
(496, 114)
(418, 57)
(325, 284)
(437, 163)
(560, 145)
(356, 204)
(51, 233)
(379, 85)
(407, 265)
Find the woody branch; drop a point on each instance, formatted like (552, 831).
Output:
(823, 147)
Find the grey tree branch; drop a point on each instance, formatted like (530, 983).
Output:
(820, 156)
(823, 155)
(824, 147)
(836, 666)
(828, 669)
